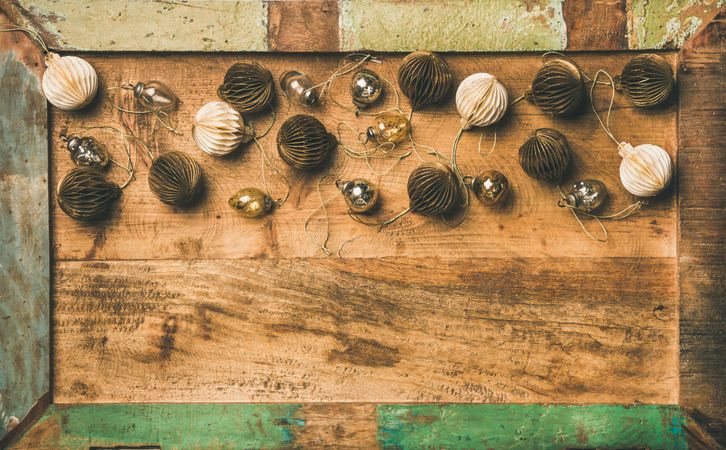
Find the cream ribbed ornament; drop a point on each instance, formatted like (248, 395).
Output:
(645, 169)
(69, 82)
(481, 100)
(219, 129)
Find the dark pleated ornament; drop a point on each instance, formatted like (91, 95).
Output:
(175, 178)
(248, 86)
(86, 194)
(545, 155)
(424, 78)
(647, 80)
(558, 88)
(303, 142)
(433, 189)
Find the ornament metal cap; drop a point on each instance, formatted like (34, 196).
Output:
(139, 89)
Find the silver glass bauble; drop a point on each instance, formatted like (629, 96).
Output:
(360, 195)
(85, 151)
(586, 195)
(365, 88)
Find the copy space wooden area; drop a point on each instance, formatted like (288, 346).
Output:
(515, 305)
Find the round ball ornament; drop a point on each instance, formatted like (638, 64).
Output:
(585, 195)
(545, 155)
(433, 189)
(360, 195)
(69, 82)
(251, 202)
(481, 100)
(424, 78)
(490, 187)
(86, 194)
(365, 88)
(304, 143)
(389, 128)
(248, 86)
(645, 170)
(558, 88)
(175, 178)
(647, 80)
(219, 129)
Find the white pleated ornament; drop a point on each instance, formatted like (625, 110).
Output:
(481, 100)
(645, 169)
(69, 82)
(219, 129)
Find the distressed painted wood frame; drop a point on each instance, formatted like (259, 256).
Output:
(696, 28)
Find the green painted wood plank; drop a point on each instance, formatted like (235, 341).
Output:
(530, 426)
(668, 23)
(24, 238)
(496, 25)
(171, 426)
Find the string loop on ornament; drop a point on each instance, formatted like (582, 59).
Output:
(606, 124)
(369, 154)
(34, 36)
(341, 70)
(460, 179)
(273, 114)
(264, 159)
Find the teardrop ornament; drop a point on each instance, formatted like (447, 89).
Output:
(251, 202)
(155, 96)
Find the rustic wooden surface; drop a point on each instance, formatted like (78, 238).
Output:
(702, 209)
(354, 425)
(24, 236)
(529, 225)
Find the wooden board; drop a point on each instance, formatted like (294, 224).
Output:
(515, 305)
(529, 225)
(702, 209)
(347, 426)
(24, 235)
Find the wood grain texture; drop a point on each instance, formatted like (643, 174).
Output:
(24, 236)
(311, 24)
(529, 225)
(385, 426)
(702, 208)
(560, 330)
(596, 25)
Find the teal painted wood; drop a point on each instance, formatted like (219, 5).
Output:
(24, 246)
(530, 426)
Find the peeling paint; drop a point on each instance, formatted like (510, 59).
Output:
(200, 25)
(668, 24)
(498, 25)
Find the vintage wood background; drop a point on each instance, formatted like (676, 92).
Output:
(515, 306)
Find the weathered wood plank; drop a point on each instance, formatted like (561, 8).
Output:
(24, 237)
(386, 426)
(596, 24)
(570, 330)
(313, 25)
(668, 24)
(530, 224)
(530, 426)
(702, 244)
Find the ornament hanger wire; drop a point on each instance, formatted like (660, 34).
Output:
(34, 36)
(369, 154)
(161, 116)
(265, 160)
(606, 124)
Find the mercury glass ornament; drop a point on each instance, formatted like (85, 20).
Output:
(490, 187)
(155, 96)
(365, 88)
(389, 128)
(251, 202)
(586, 195)
(360, 195)
(298, 87)
(85, 151)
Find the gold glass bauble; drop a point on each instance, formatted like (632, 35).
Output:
(647, 80)
(424, 78)
(304, 143)
(360, 195)
(545, 154)
(175, 178)
(433, 189)
(389, 128)
(558, 88)
(365, 88)
(251, 202)
(248, 86)
(490, 187)
(85, 194)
